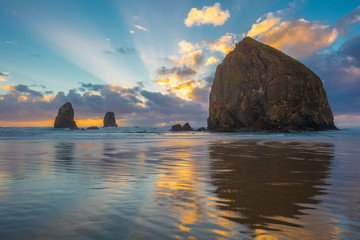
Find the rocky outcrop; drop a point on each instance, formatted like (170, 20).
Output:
(257, 86)
(187, 127)
(201, 129)
(109, 120)
(176, 128)
(179, 128)
(65, 117)
(93, 128)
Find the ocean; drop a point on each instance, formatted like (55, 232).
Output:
(149, 183)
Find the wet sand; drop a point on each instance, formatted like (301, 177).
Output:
(179, 187)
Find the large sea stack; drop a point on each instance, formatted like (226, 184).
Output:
(259, 87)
(109, 120)
(65, 117)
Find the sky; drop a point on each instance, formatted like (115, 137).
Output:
(153, 62)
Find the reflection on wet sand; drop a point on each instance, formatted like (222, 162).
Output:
(169, 188)
(64, 152)
(268, 185)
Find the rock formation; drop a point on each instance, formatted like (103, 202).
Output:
(187, 127)
(65, 117)
(92, 128)
(109, 120)
(179, 128)
(257, 86)
(176, 128)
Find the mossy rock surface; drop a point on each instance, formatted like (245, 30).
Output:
(260, 87)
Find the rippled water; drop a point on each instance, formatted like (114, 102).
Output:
(127, 184)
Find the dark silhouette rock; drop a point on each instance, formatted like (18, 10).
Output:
(179, 128)
(109, 120)
(93, 128)
(202, 129)
(259, 87)
(65, 117)
(187, 127)
(176, 128)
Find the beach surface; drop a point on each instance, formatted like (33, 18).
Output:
(147, 183)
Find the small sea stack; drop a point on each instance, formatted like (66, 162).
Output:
(179, 128)
(109, 120)
(93, 128)
(65, 117)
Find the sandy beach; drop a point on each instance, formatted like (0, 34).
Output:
(85, 185)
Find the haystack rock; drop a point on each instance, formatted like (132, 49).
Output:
(65, 117)
(109, 120)
(259, 87)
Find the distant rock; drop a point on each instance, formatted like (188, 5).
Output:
(187, 127)
(176, 128)
(92, 128)
(202, 129)
(65, 117)
(259, 87)
(109, 120)
(179, 128)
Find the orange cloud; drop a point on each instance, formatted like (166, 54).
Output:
(141, 28)
(265, 25)
(299, 38)
(207, 15)
(22, 98)
(186, 47)
(192, 58)
(9, 88)
(211, 61)
(224, 45)
(4, 76)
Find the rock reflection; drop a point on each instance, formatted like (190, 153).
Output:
(64, 153)
(261, 184)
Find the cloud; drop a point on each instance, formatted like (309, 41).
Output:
(11, 42)
(92, 87)
(127, 50)
(141, 28)
(299, 37)
(25, 89)
(131, 31)
(186, 47)
(342, 26)
(200, 94)
(20, 88)
(183, 71)
(347, 120)
(4, 76)
(193, 58)
(207, 15)
(224, 45)
(339, 71)
(133, 106)
(211, 60)
(108, 52)
(262, 26)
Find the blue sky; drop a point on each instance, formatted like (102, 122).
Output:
(152, 62)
